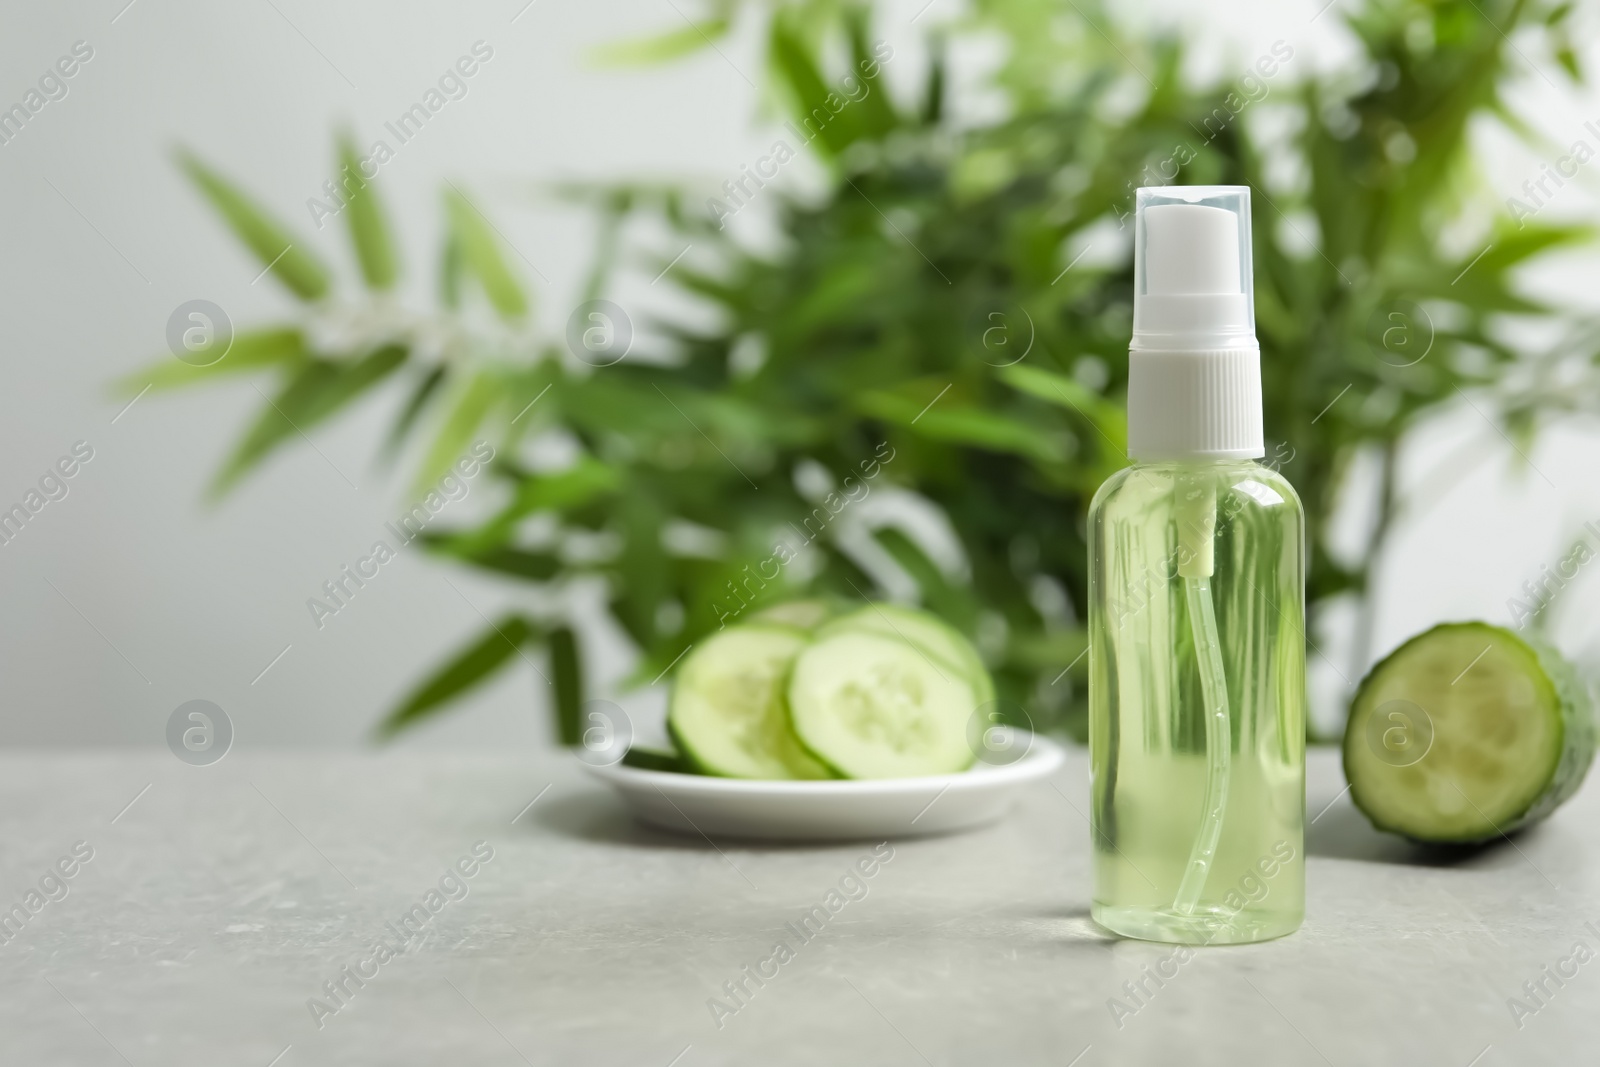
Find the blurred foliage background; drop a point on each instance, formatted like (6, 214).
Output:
(949, 311)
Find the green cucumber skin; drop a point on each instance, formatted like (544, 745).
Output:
(833, 768)
(689, 758)
(1578, 735)
(649, 759)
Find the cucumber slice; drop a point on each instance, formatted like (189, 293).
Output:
(941, 642)
(727, 714)
(875, 707)
(1466, 732)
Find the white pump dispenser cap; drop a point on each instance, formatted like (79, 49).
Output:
(1194, 367)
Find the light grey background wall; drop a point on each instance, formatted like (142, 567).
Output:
(129, 596)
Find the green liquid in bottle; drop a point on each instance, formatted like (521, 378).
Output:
(1167, 542)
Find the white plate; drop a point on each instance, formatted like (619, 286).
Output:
(830, 810)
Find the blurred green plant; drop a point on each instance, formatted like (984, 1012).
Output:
(953, 304)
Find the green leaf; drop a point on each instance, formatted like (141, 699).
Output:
(581, 484)
(368, 232)
(520, 563)
(948, 420)
(450, 272)
(290, 260)
(567, 679)
(480, 257)
(471, 404)
(468, 669)
(794, 65)
(1512, 247)
(317, 390)
(254, 351)
(1568, 58)
(426, 386)
(933, 93)
(1052, 650)
(877, 111)
(1104, 416)
(951, 601)
(641, 51)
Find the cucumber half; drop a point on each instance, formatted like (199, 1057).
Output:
(872, 706)
(728, 715)
(945, 646)
(1467, 732)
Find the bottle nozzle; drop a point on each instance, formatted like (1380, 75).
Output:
(1194, 374)
(1191, 250)
(1191, 265)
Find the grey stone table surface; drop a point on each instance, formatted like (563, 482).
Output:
(208, 908)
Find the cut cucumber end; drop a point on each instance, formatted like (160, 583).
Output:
(1466, 732)
(727, 713)
(873, 706)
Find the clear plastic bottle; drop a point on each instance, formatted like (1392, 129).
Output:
(1196, 607)
(1148, 705)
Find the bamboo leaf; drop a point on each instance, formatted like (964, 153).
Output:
(253, 351)
(469, 668)
(424, 390)
(1067, 392)
(317, 390)
(276, 422)
(953, 602)
(642, 51)
(793, 64)
(582, 484)
(479, 249)
(467, 412)
(876, 110)
(567, 679)
(933, 92)
(960, 424)
(290, 259)
(1567, 56)
(368, 231)
(534, 566)
(1515, 246)
(450, 272)
(517, 562)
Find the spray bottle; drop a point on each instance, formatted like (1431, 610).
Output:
(1196, 607)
